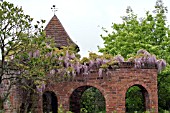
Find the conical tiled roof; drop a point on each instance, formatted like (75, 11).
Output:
(55, 29)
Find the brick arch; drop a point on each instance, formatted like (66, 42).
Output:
(145, 91)
(101, 89)
(49, 89)
(49, 101)
(74, 99)
(139, 83)
(112, 87)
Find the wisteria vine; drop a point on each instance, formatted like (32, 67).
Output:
(68, 65)
(73, 66)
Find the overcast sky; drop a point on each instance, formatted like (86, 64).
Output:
(83, 19)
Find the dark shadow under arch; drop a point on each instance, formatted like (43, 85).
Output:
(1, 104)
(137, 99)
(76, 98)
(50, 103)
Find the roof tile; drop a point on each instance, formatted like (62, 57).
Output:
(55, 29)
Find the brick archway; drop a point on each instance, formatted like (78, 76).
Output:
(49, 102)
(113, 87)
(145, 95)
(75, 98)
(88, 85)
(145, 79)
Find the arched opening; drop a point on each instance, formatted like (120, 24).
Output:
(50, 103)
(87, 99)
(137, 99)
(1, 104)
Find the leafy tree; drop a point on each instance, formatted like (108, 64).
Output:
(13, 23)
(151, 33)
(26, 54)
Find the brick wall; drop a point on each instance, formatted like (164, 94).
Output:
(113, 86)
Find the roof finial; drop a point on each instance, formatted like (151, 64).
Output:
(54, 9)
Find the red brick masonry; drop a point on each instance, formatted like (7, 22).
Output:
(113, 86)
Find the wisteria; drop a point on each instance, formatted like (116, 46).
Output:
(41, 87)
(144, 58)
(100, 72)
(36, 53)
(69, 66)
(161, 64)
(119, 58)
(75, 66)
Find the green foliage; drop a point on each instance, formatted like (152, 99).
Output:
(92, 101)
(133, 34)
(134, 100)
(151, 33)
(84, 60)
(24, 50)
(13, 24)
(83, 110)
(61, 110)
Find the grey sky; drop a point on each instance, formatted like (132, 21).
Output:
(83, 19)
